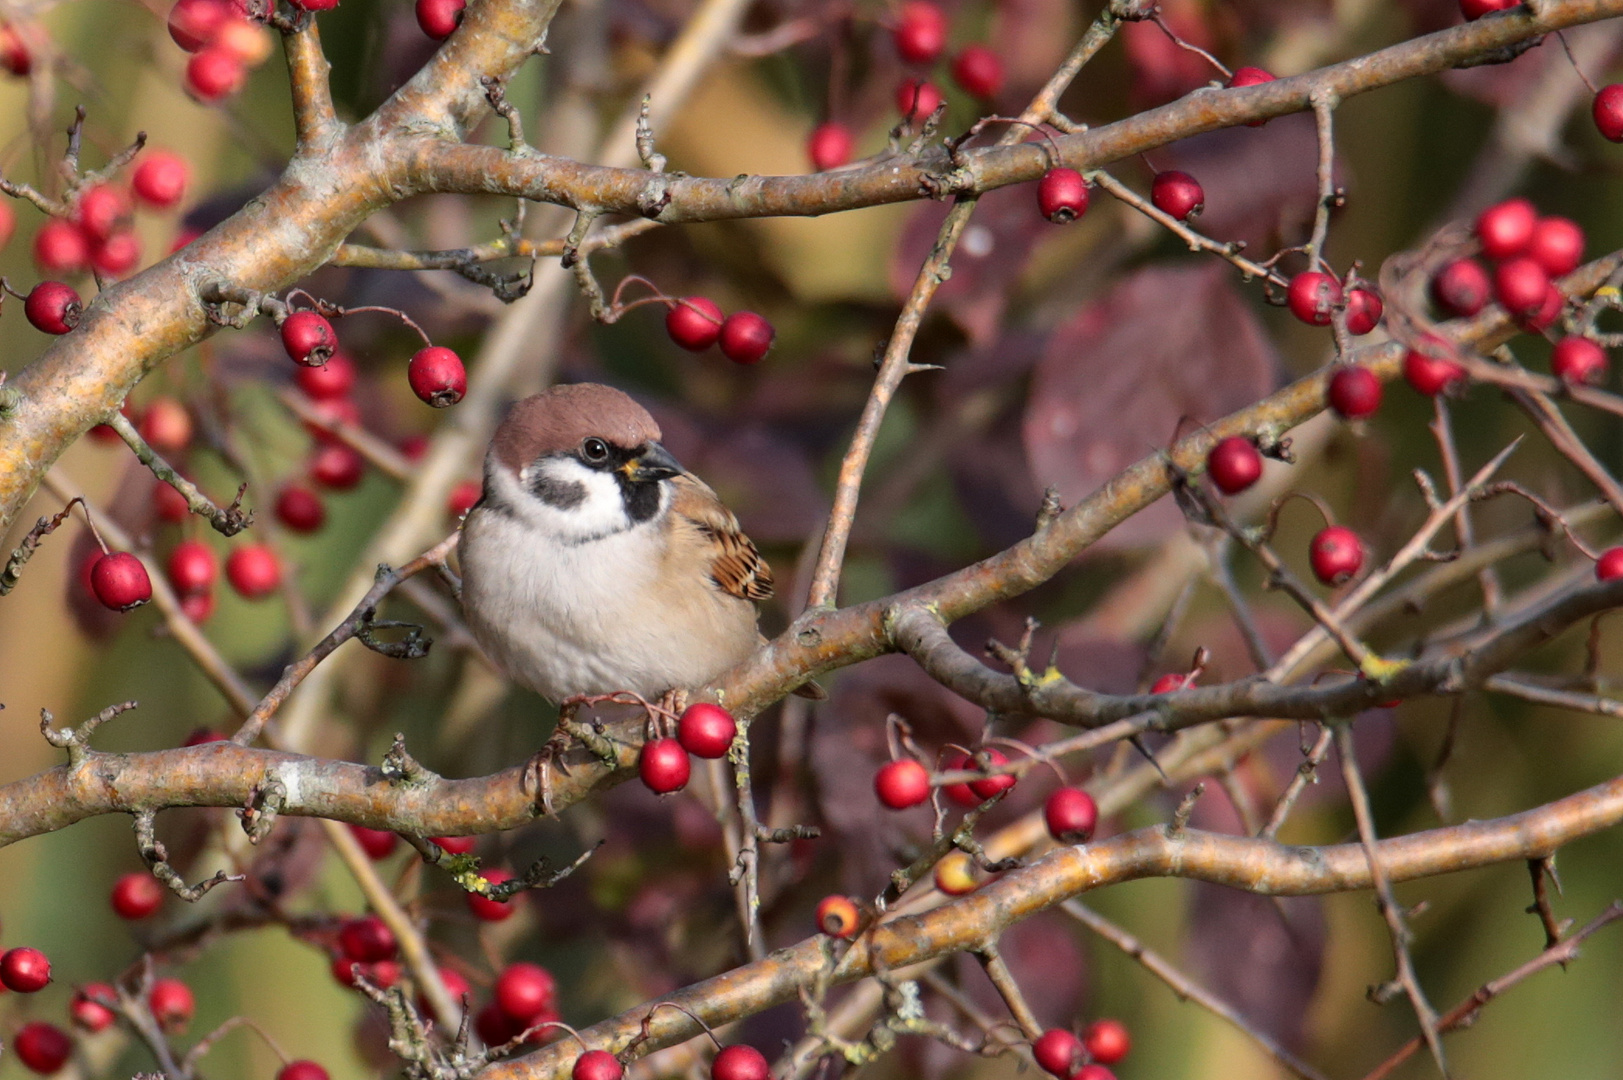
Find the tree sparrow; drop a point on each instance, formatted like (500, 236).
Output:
(594, 563)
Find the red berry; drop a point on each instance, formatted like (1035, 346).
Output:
(486, 909)
(198, 606)
(524, 991)
(192, 569)
(8, 220)
(456, 845)
(706, 730)
(1056, 1050)
(314, 5)
(960, 793)
(1429, 366)
(120, 581)
(979, 71)
(1336, 554)
(24, 970)
(213, 74)
(1578, 360)
(1071, 815)
(15, 56)
(917, 99)
(61, 247)
(746, 337)
(203, 736)
(1093, 1071)
(377, 843)
(366, 939)
(495, 1027)
(1535, 322)
(1171, 682)
(301, 1069)
(837, 916)
(334, 412)
(90, 1009)
(324, 382)
(172, 1004)
(991, 785)
(1462, 287)
(597, 1065)
(1557, 245)
(1608, 112)
(1311, 296)
(462, 498)
(439, 18)
(664, 766)
(254, 571)
(901, 784)
(456, 988)
(1610, 564)
(1354, 392)
(1062, 195)
(829, 146)
(308, 338)
(52, 307)
(1107, 1041)
(1475, 9)
(43, 1048)
(169, 504)
(166, 425)
(300, 509)
(193, 23)
(694, 322)
(117, 255)
(1364, 310)
(336, 465)
(740, 1062)
(1177, 194)
(413, 447)
(160, 179)
(100, 210)
(1521, 284)
(437, 376)
(1250, 76)
(955, 874)
(920, 33)
(1506, 228)
(135, 896)
(1234, 464)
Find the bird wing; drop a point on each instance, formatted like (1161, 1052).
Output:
(735, 566)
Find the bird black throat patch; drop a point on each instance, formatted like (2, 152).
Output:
(641, 498)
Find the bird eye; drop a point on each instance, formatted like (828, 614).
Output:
(594, 450)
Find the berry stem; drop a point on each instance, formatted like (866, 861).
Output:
(227, 521)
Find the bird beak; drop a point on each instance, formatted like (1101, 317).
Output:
(654, 463)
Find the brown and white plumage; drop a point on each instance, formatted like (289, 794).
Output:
(594, 563)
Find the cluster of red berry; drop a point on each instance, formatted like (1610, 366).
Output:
(703, 730)
(696, 323)
(225, 42)
(1061, 1053)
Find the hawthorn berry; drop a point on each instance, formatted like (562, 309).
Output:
(254, 571)
(314, 5)
(1170, 683)
(524, 991)
(1578, 361)
(367, 939)
(202, 737)
(324, 382)
(961, 793)
(1609, 565)
(1536, 321)
(377, 843)
(302, 1069)
(337, 466)
(1506, 228)
(1608, 112)
(1234, 464)
(100, 210)
(1354, 392)
(706, 730)
(330, 414)
(1093, 1071)
(165, 425)
(740, 1062)
(213, 74)
(1521, 285)
(1062, 195)
(120, 581)
(24, 970)
(1364, 310)
(978, 71)
(308, 338)
(1557, 245)
(694, 322)
(829, 146)
(1071, 815)
(917, 99)
(15, 56)
(1428, 366)
(43, 1048)
(135, 896)
(300, 509)
(89, 1010)
(52, 307)
(1107, 1041)
(486, 909)
(1312, 296)
(597, 1065)
(194, 23)
(8, 222)
(456, 988)
(495, 1027)
(1462, 287)
(440, 18)
(61, 247)
(837, 916)
(172, 1004)
(117, 255)
(1335, 554)
(664, 766)
(160, 179)
(986, 787)
(462, 498)
(745, 337)
(437, 376)
(902, 783)
(1250, 76)
(920, 33)
(955, 874)
(1475, 9)
(1056, 1051)
(1177, 194)
(198, 606)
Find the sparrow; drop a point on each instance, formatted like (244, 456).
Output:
(594, 563)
